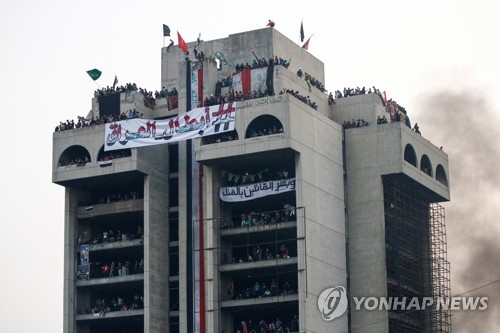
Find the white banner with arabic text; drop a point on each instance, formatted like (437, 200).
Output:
(258, 190)
(197, 123)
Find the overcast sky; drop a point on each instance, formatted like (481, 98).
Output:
(439, 59)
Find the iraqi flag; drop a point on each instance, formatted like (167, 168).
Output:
(250, 80)
(105, 163)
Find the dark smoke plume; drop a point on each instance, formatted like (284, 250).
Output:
(469, 131)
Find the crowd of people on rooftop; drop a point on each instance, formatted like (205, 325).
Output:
(296, 94)
(261, 63)
(355, 123)
(347, 92)
(149, 96)
(149, 100)
(311, 80)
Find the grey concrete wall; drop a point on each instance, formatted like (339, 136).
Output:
(183, 284)
(70, 243)
(320, 189)
(367, 107)
(156, 258)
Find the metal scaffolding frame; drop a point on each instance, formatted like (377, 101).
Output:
(441, 318)
(416, 256)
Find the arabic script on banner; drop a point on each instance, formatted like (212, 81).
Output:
(258, 190)
(199, 122)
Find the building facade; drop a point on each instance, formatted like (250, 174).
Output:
(246, 228)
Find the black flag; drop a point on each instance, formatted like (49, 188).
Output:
(166, 30)
(301, 32)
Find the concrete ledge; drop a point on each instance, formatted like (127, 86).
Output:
(133, 205)
(259, 301)
(114, 314)
(116, 245)
(257, 228)
(110, 280)
(258, 264)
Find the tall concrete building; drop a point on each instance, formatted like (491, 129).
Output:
(291, 195)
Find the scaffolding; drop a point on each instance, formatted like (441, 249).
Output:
(416, 258)
(441, 318)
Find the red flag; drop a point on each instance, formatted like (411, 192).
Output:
(182, 44)
(306, 44)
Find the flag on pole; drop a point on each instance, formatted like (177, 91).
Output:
(166, 30)
(115, 82)
(301, 31)
(182, 44)
(306, 44)
(94, 74)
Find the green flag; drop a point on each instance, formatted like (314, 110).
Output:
(94, 74)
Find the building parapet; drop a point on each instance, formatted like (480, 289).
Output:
(250, 302)
(110, 280)
(258, 264)
(109, 315)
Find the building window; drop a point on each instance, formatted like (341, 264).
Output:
(264, 125)
(441, 175)
(425, 165)
(410, 155)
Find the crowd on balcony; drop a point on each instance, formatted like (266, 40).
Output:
(267, 326)
(80, 160)
(101, 308)
(263, 131)
(261, 176)
(258, 254)
(116, 268)
(222, 137)
(111, 235)
(111, 155)
(263, 218)
(259, 290)
(111, 197)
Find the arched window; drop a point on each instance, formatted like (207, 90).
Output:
(441, 175)
(410, 155)
(264, 125)
(113, 154)
(74, 155)
(425, 165)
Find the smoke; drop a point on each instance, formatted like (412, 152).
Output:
(467, 128)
